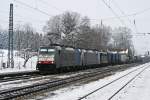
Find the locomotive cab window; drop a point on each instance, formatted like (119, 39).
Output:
(43, 51)
(47, 51)
(51, 52)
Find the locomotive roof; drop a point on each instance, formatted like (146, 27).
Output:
(60, 46)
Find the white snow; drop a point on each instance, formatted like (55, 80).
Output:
(75, 92)
(139, 89)
(18, 63)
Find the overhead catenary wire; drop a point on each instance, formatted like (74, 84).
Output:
(20, 20)
(114, 13)
(43, 12)
(92, 19)
(34, 8)
(118, 7)
(134, 14)
(108, 18)
(48, 4)
(123, 13)
(128, 15)
(132, 22)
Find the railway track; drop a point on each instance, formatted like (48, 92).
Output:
(14, 74)
(121, 88)
(127, 83)
(24, 75)
(18, 76)
(8, 79)
(29, 89)
(30, 76)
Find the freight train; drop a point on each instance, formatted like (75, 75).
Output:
(62, 58)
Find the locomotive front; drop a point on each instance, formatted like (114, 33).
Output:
(46, 59)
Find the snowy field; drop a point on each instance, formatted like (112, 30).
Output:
(139, 89)
(18, 63)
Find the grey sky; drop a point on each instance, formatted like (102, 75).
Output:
(94, 9)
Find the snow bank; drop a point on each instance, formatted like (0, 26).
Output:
(18, 63)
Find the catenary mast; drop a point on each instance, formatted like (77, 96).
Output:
(10, 62)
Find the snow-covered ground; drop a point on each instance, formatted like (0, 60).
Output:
(18, 63)
(139, 89)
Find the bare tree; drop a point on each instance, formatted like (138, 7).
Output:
(18, 37)
(106, 33)
(26, 54)
(122, 38)
(77, 31)
(62, 25)
(28, 30)
(96, 37)
(3, 39)
(70, 22)
(53, 29)
(84, 31)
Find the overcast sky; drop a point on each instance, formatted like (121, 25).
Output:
(94, 9)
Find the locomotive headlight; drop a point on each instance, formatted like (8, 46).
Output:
(39, 62)
(52, 62)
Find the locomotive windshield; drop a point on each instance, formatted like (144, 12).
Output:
(47, 51)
